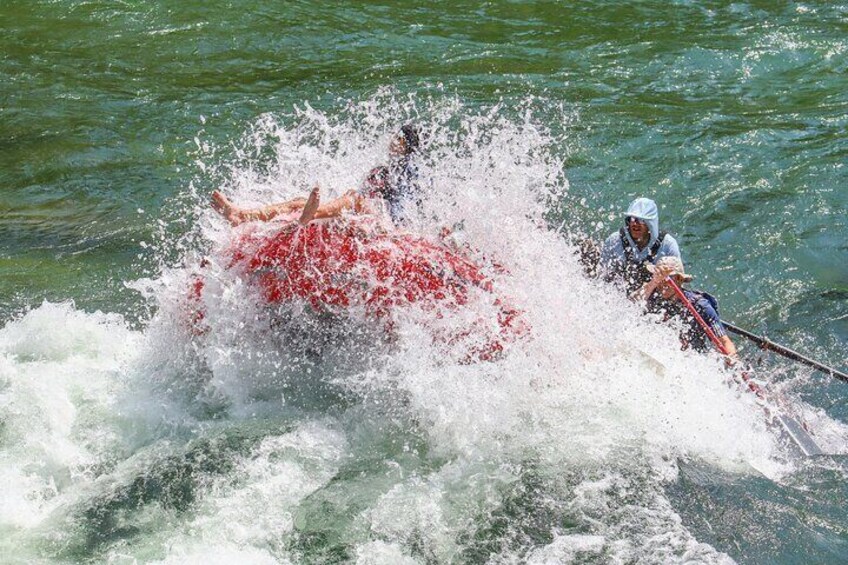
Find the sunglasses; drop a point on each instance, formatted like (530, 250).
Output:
(631, 219)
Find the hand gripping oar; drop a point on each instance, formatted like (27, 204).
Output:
(769, 345)
(795, 429)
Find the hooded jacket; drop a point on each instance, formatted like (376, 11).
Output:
(613, 256)
(645, 209)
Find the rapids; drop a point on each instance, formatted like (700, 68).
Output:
(594, 439)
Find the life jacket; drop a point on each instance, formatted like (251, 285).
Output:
(393, 185)
(710, 298)
(633, 271)
(376, 183)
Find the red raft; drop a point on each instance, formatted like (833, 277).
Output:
(336, 267)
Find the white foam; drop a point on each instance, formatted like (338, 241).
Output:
(594, 385)
(211, 553)
(382, 553)
(253, 507)
(58, 368)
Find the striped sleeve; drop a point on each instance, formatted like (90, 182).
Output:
(718, 328)
(711, 317)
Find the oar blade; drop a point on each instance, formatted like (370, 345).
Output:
(800, 436)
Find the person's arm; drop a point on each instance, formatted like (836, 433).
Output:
(732, 356)
(649, 287)
(611, 256)
(711, 317)
(729, 347)
(669, 248)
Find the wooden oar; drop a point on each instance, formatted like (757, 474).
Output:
(768, 344)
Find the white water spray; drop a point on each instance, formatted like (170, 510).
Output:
(391, 452)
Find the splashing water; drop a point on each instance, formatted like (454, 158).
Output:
(328, 442)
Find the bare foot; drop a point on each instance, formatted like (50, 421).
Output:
(223, 206)
(310, 207)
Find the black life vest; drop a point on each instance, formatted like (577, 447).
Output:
(633, 270)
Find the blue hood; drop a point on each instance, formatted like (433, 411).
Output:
(646, 209)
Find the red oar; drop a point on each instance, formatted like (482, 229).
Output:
(710, 333)
(795, 429)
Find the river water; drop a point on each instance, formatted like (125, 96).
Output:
(126, 439)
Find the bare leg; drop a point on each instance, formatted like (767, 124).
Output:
(291, 205)
(236, 215)
(310, 207)
(230, 211)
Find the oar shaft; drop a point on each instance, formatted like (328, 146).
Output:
(766, 343)
(711, 334)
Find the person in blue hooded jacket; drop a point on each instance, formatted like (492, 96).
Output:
(626, 252)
